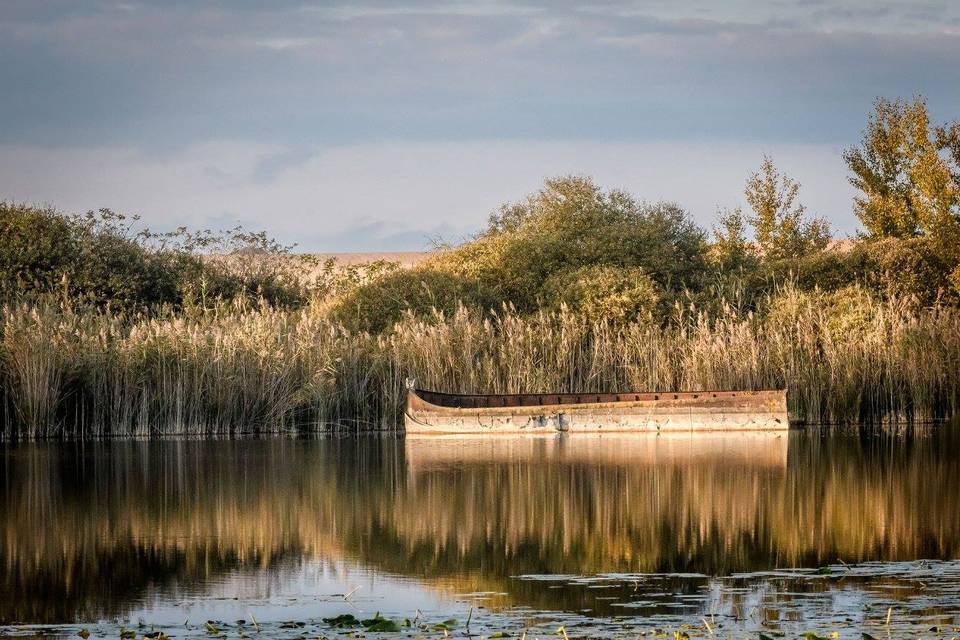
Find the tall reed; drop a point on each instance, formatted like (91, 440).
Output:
(239, 367)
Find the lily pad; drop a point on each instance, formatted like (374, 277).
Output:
(446, 625)
(343, 620)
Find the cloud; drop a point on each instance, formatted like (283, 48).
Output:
(397, 195)
(165, 75)
(359, 11)
(387, 120)
(282, 44)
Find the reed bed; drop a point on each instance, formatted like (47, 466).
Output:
(237, 367)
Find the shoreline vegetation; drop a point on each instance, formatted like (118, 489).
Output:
(108, 329)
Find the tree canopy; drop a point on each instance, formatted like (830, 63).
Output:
(571, 223)
(907, 171)
(778, 220)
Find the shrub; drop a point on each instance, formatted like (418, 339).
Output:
(827, 270)
(903, 268)
(910, 267)
(603, 293)
(90, 257)
(98, 257)
(730, 250)
(848, 311)
(377, 304)
(571, 242)
(570, 224)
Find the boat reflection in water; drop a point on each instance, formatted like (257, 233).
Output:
(745, 449)
(135, 528)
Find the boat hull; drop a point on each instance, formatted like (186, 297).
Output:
(429, 412)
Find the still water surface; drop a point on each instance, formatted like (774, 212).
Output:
(606, 535)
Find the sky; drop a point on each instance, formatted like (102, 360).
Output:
(381, 126)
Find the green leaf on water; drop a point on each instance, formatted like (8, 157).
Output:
(83, 633)
(127, 634)
(369, 622)
(446, 625)
(500, 634)
(344, 620)
(211, 628)
(384, 625)
(380, 624)
(810, 635)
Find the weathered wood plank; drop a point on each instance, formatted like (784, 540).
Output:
(440, 413)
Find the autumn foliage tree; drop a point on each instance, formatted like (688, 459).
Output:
(907, 171)
(779, 222)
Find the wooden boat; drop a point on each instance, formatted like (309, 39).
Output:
(431, 412)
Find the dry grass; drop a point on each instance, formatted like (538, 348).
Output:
(240, 368)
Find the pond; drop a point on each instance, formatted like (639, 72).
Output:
(726, 535)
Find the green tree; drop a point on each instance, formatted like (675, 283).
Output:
(99, 257)
(601, 252)
(731, 249)
(572, 223)
(778, 220)
(908, 174)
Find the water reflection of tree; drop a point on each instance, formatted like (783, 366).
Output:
(847, 497)
(87, 529)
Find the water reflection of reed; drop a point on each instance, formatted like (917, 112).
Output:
(87, 529)
(849, 497)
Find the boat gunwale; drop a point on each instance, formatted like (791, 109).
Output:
(577, 400)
